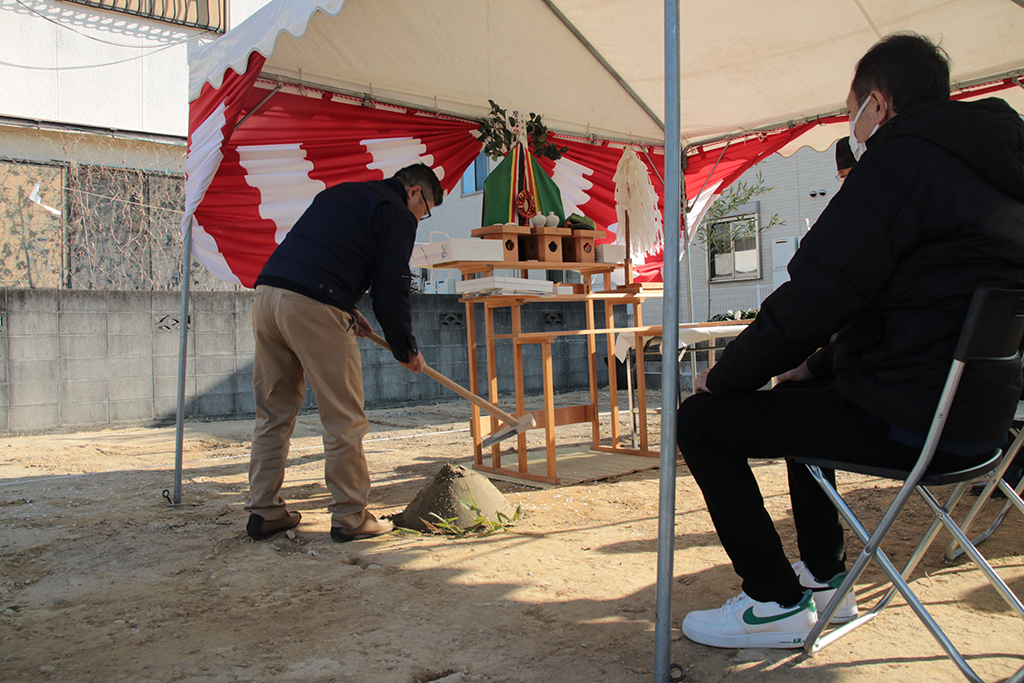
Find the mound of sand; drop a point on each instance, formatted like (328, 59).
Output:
(454, 483)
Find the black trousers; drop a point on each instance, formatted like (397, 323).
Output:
(719, 435)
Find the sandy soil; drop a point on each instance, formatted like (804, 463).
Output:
(101, 581)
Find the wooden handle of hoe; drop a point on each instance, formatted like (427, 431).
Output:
(454, 386)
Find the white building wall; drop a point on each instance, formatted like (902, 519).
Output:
(240, 10)
(72, 64)
(793, 180)
(457, 217)
(85, 88)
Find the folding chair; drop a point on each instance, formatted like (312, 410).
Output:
(992, 331)
(1013, 496)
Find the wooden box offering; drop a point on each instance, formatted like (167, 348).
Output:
(544, 244)
(509, 234)
(579, 247)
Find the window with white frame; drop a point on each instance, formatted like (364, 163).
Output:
(473, 178)
(734, 252)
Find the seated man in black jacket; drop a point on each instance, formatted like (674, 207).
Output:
(933, 210)
(305, 322)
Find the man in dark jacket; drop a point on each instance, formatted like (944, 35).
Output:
(844, 159)
(305, 323)
(933, 210)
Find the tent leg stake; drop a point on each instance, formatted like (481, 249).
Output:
(170, 502)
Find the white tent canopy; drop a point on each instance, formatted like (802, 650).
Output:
(596, 66)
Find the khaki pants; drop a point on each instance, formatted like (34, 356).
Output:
(298, 337)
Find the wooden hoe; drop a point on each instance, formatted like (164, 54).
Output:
(512, 426)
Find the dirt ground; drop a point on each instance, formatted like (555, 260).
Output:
(101, 581)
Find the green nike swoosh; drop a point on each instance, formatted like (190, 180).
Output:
(750, 618)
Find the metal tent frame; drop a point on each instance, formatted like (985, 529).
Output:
(675, 199)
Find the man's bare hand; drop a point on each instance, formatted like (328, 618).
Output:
(801, 373)
(701, 385)
(362, 326)
(415, 363)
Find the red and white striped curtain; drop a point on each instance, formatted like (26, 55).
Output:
(254, 165)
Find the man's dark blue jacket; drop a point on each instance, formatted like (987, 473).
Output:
(353, 237)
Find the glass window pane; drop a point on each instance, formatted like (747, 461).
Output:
(721, 265)
(720, 250)
(746, 256)
(743, 227)
(473, 178)
(733, 249)
(480, 169)
(721, 238)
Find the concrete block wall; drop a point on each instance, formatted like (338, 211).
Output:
(31, 358)
(83, 358)
(75, 359)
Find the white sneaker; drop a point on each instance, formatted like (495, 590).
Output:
(823, 592)
(745, 622)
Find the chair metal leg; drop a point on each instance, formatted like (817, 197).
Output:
(1013, 499)
(952, 553)
(817, 639)
(852, 575)
(926, 541)
(993, 328)
(979, 560)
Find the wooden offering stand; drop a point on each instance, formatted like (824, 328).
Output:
(549, 245)
(543, 244)
(509, 234)
(579, 248)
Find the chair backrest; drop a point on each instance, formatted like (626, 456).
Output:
(994, 326)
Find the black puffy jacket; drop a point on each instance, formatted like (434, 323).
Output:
(933, 210)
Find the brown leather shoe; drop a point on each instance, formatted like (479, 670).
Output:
(370, 527)
(259, 528)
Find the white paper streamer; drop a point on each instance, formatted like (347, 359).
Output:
(634, 193)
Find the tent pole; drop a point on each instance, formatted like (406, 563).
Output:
(179, 429)
(689, 282)
(674, 194)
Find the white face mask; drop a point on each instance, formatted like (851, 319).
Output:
(856, 146)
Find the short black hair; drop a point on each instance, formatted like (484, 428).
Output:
(907, 67)
(424, 176)
(844, 157)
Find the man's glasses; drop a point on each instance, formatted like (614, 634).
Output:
(427, 206)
